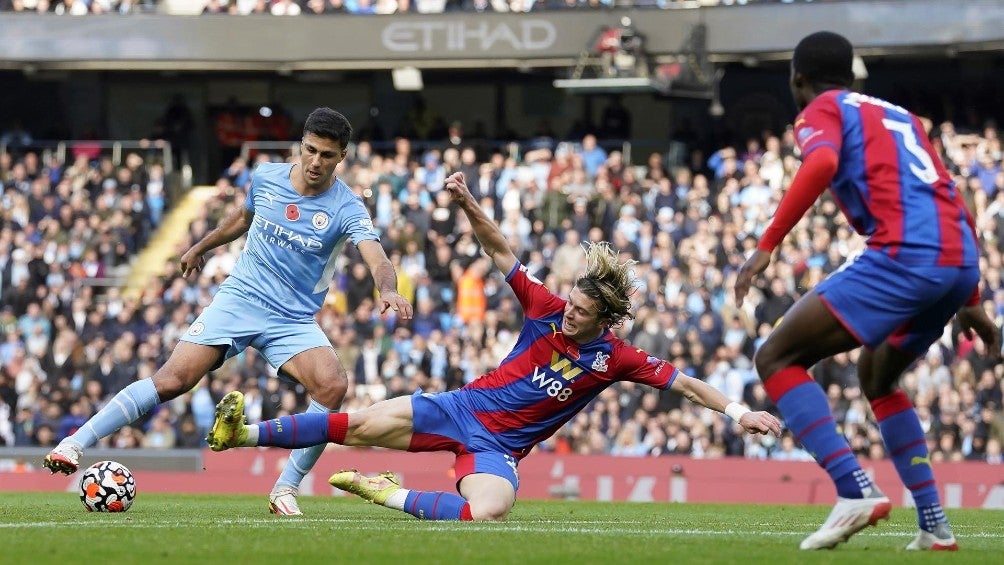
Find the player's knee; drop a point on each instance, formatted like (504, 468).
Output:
(874, 391)
(490, 510)
(774, 356)
(359, 431)
(330, 393)
(336, 373)
(766, 363)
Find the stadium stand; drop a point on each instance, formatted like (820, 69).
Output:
(90, 297)
(382, 7)
(71, 338)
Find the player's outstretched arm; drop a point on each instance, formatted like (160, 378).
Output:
(491, 238)
(810, 181)
(700, 392)
(234, 225)
(385, 278)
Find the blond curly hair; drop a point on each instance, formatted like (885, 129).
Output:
(608, 282)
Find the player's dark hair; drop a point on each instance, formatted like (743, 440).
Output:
(825, 58)
(608, 282)
(329, 124)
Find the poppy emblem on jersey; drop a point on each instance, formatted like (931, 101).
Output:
(600, 363)
(197, 328)
(320, 220)
(292, 212)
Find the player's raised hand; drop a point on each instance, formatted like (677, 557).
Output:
(192, 262)
(750, 269)
(456, 186)
(397, 303)
(760, 423)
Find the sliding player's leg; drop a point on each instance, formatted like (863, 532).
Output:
(384, 424)
(488, 490)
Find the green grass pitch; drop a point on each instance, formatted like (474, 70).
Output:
(237, 530)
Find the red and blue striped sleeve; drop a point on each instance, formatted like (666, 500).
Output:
(820, 124)
(810, 181)
(533, 296)
(636, 365)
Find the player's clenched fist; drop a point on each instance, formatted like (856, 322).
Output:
(457, 186)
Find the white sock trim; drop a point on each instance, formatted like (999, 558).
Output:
(252, 439)
(396, 499)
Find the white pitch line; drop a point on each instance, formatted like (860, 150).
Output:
(609, 530)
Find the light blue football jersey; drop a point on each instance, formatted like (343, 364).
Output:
(294, 241)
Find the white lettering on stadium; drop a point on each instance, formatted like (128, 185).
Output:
(418, 36)
(271, 232)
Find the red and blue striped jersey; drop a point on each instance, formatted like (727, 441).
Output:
(890, 183)
(547, 378)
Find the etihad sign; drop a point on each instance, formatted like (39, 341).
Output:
(438, 35)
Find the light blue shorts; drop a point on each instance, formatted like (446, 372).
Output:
(239, 322)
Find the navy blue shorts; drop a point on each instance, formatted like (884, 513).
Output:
(441, 423)
(879, 299)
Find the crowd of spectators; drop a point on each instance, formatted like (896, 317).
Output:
(78, 7)
(69, 344)
(312, 7)
(386, 7)
(68, 231)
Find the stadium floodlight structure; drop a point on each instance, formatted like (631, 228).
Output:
(689, 73)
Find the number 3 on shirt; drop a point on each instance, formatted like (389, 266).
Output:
(927, 173)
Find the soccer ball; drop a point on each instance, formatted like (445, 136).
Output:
(107, 486)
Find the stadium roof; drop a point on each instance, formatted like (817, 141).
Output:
(750, 34)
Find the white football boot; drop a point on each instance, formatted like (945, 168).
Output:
(941, 539)
(848, 517)
(282, 501)
(64, 458)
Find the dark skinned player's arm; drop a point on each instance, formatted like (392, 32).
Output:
(810, 181)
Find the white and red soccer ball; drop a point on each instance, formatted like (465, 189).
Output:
(107, 486)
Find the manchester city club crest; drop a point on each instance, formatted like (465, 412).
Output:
(320, 220)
